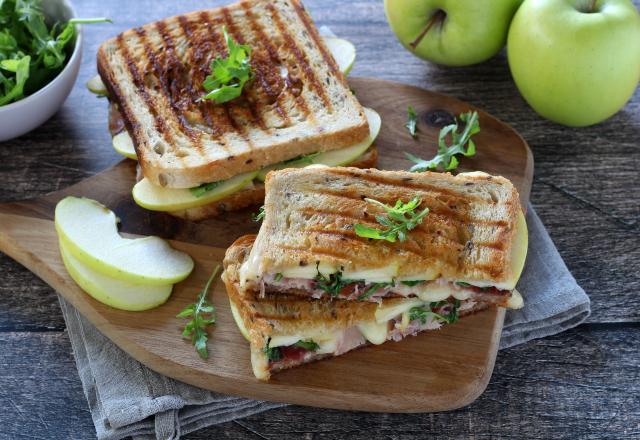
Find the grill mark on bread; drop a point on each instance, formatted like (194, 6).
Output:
(191, 91)
(273, 54)
(315, 36)
(233, 30)
(457, 216)
(293, 48)
(160, 123)
(162, 77)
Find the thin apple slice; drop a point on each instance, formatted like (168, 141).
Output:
(123, 144)
(333, 158)
(89, 232)
(238, 320)
(111, 291)
(157, 198)
(343, 51)
(95, 85)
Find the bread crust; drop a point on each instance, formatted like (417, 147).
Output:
(310, 216)
(177, 146)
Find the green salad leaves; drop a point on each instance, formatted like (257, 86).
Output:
(228, 75)
(461, 143)
(32, 50)
(400, 219)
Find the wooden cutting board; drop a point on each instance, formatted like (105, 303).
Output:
(435, 371)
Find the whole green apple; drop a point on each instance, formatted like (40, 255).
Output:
(451, 32)
(575, 62)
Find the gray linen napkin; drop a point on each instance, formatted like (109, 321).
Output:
(127, 399)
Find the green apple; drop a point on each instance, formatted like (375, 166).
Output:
(95, 85)
(111, 291)
(238, 320)
(343, 51)
(157, 198)
(451, 32)
(333, 158)
(88, 230)
(123, 144)
(575, 62)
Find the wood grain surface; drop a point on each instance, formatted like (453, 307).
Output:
(583, 384)
(451, 378)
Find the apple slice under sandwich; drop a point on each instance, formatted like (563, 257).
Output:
(471, 245)
(286, 331)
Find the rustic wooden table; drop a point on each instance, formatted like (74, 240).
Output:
(584, 383)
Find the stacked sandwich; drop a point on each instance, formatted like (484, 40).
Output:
(200, 157)
(347, 257)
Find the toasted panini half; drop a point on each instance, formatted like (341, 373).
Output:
(471, 245)
(298, 102)
(286, 331)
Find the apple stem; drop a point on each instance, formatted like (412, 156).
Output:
(437, 17)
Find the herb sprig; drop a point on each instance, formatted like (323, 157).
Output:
(259, 216)
(202, 314)
(461, 143)
(32, 53)
(400, 219)
(201, 190)
(412, 120)
(228, 75)
(309, 344)
(421, 313)
(332, 284)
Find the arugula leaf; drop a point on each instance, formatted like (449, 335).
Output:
(14, 88)
(302, 159)
(461, 143)
(373, 287)
(273, 353)
(412, 120)
(421, 313)
(199, 191)
(228, 75)
(463, 284)
(259, 216)
(278, 277)
(310, 345)
(412, 283)
(332, 284)
(400, 219)
(202, 314)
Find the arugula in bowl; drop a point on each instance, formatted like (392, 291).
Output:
(33, 50)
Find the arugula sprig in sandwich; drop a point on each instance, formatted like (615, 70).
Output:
(214, 99)
(348, 257)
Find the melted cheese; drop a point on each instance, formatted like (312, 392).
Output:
(515, 301)
(384, 313)
(375, 332)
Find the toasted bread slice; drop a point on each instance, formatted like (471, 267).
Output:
(275, 324)
(468, 237)
(254, 194)
(298, 103)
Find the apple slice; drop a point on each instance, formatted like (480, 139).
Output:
(95, 85)
(238, 320)
(333, 158)
(111, 291)
(157, 198)
(88, 230)
(343, 51)
(123, 144)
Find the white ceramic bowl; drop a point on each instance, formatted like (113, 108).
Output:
(23, 116)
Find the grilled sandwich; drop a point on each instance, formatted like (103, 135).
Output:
(309, 277)
(286, 331)
(297, 106)
(471, 246)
